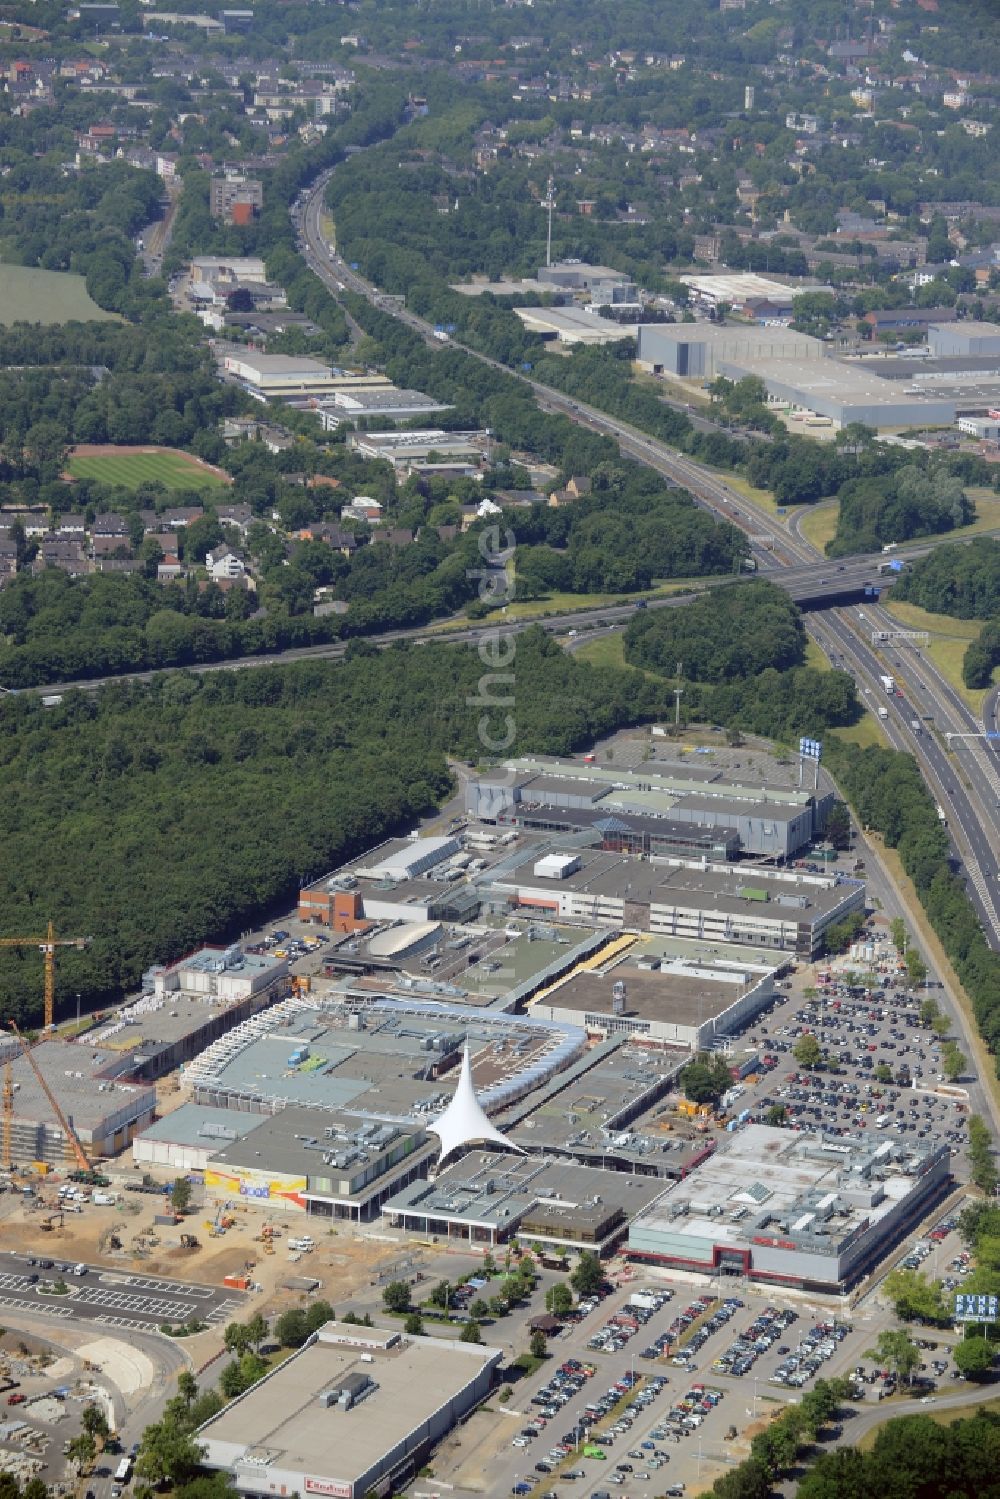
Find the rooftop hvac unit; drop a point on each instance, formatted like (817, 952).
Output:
(618, 998)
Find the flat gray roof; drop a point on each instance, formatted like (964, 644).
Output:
(832, 380)
(74, 1074)
(280, 1423)
(152, 1024)
(729, 807)
(295, 1141)
(202, 1125)
(489, 1187)
(970, 328)
(681, 999)
(666, 883)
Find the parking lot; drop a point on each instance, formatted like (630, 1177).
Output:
(95, 1293)
(882, 1066)
(720, 1357)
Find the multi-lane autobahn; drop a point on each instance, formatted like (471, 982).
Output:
(965, 780)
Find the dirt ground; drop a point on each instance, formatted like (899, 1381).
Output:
(344, 1265)
(463, 1459)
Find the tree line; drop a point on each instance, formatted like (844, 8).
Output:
(889, 794)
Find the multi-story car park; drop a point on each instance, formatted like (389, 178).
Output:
(354, 1412)
(775, 910)
(803, 1210)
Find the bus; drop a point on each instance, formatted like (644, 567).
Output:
(124, 1470)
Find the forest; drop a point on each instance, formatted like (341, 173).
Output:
(158, 817)
(914, 501)
(960, 580)
(741, 652)
(720, 637)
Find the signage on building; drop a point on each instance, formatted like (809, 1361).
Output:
(329, 1487)
(255, 1189)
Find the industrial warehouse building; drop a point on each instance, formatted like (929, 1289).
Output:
(694, 351)
(843, 392)
(386, 402)
(406, 449)
(285, 377)
(572, 325)
(353, 1413)
(809, 1211)
(973, 338)
(748, 293)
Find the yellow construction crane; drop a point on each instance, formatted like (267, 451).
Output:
(8, 1111)
(47, 946)
(79, 1153)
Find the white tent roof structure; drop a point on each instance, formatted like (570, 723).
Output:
(464, 1121)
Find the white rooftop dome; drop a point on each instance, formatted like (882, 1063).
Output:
(464, 1121)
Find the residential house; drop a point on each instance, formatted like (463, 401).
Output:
(181, 515)
(224, 565)
(394, 536)
(68, 556)
(110, 546)
(336, 537)
(71, 527)
(364, 508)
(8, 560)
(240, 517)
(110, 524)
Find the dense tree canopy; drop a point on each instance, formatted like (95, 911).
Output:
(962, 580)
(722, 637)
(209, 797)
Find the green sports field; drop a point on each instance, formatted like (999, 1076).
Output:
(131, 467)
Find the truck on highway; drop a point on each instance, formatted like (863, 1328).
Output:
(888, 684)
(941, 816)
(883, 712)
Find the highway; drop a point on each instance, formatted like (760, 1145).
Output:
(967, 789)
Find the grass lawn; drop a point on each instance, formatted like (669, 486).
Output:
(940, 1417)
(867, 730)
(609, 650)
(28, 295)
(762, 498)
(987, 513)
(949, 638)
(132, 467)
(820, 522)
(565, 603)
(606, 650)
